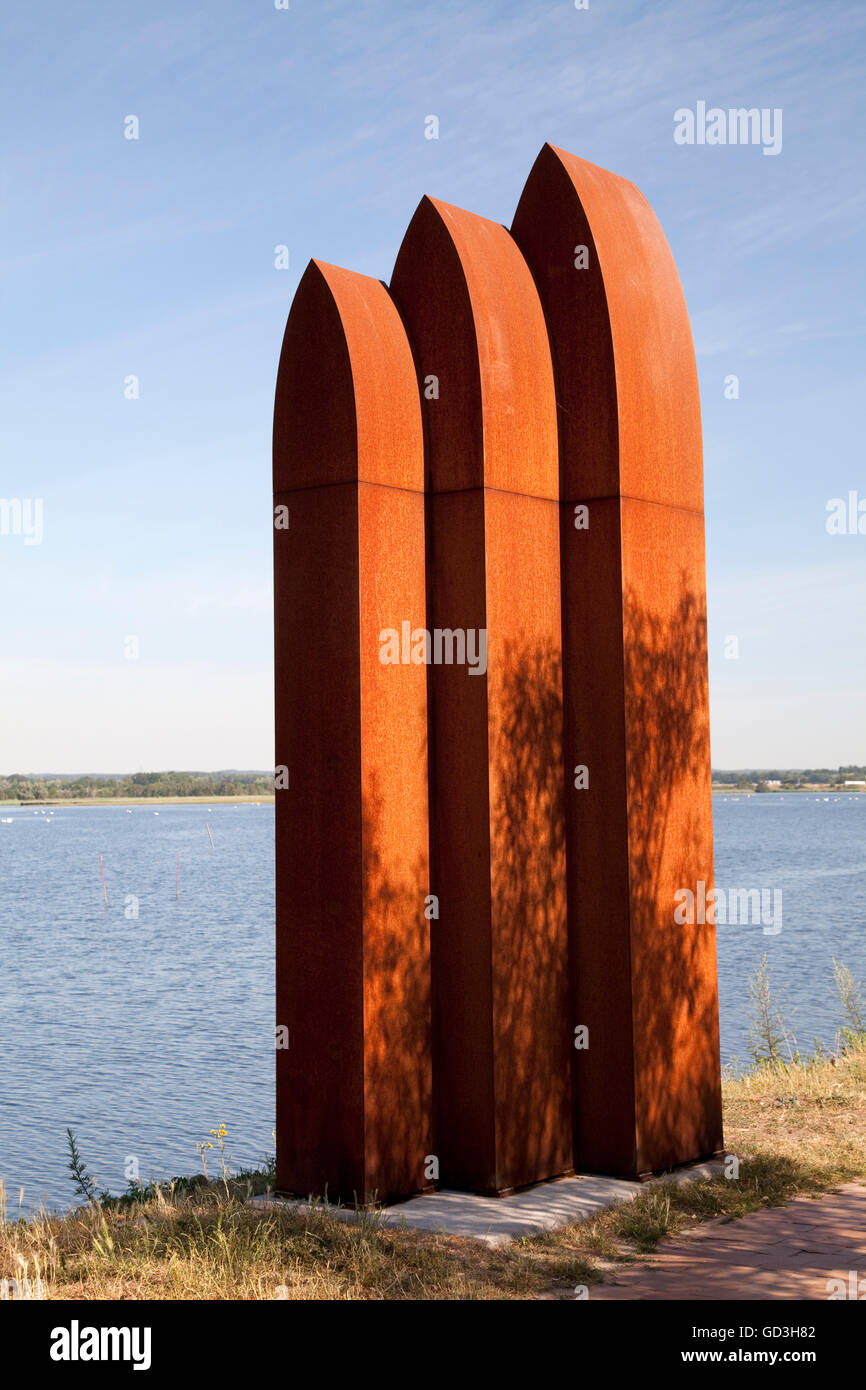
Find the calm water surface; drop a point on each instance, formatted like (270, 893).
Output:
(142, 1033)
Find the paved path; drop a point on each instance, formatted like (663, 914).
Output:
(784, 1252)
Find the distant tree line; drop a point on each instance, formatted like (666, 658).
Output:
(21, 787)
(761, 779)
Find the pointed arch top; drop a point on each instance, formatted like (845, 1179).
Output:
(347, 407)
(627, 384)
(477, 324)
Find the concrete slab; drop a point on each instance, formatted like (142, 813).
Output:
(498, 1220)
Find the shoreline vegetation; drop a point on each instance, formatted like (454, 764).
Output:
(797, 1125)
(850, 779)
(128, 789)
(242, 787)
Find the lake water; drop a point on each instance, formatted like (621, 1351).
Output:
(143, 1032)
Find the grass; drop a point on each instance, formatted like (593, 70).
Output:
(798, 1129)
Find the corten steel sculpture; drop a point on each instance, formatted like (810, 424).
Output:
(647, 1089)
(550, 423)
(500, 948)
(353, 973)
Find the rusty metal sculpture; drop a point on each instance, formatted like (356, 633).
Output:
(353, 972)
(647, 1089)
(500, 948)
(490, 602)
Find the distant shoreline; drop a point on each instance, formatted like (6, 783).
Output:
(720, 789)
(247, 800)
(142, 801)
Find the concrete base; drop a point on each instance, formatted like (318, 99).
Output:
(498, 1220)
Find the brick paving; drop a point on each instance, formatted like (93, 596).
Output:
(783, 1252)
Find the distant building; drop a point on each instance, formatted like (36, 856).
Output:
(855, 784)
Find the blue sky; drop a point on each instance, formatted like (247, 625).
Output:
(305, 127)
